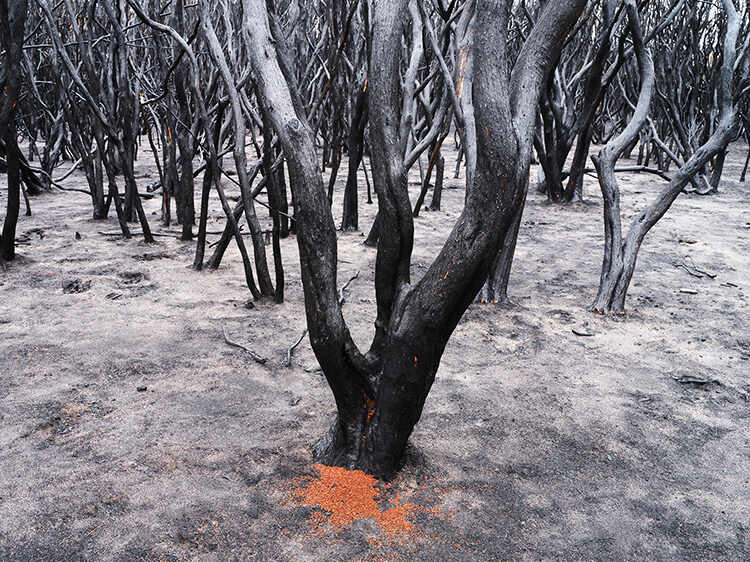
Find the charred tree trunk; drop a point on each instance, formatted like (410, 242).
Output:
(380, 396)
(274, 201)
(240, 159)
(8, 239)
(495, 289)
(718, 170)
(356, 149)
(283, 202)
(372, 237)
(743, 175)
(621, 252)
(12, 23)
(611, 296)
(437, 193)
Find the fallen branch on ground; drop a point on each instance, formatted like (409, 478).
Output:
(133, 233)
(694, 271)
(255, 356)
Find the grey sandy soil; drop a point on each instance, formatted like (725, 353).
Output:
(535, 442)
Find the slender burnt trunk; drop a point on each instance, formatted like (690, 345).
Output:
(437, 193)
(744, 169)
(185, 187)
(240, 160)
(226, 237)
(113, 194)
(431, 166)
(372, 236)
(208, 180)
(549, 157)
(718, 170)
(335, 157)
(283, 205)
(274, 201)
(574, 189)
(356, 149)
(495, 289)
(12, 24)
(8, 239)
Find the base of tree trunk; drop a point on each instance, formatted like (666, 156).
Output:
(345, 445)
(610, 299)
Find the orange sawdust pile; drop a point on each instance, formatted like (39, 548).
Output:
(349, 495)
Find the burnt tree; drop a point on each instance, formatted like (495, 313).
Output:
(380, 394)
(12, 23)
(621, 250)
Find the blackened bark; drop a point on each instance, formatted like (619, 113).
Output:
(594, 91)
(609, 297)
(495, 289)
(380, 397)
(431, 166)
(283, 201)
(372, 237)
(345, 368)
(208, 179)
(743, 175)
(186, 185)
(718, 170)
(12, 23)
(437, 192)
(389, 132)
(8, 239)
(240, 159)
(274, 202)
(356, 149)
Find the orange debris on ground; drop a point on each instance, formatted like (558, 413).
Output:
(349, 495)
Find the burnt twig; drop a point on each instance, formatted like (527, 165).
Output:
(288, 360)
(342, 298)
(255, 356)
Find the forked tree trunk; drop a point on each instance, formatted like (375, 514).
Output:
(380, 396)
(621, 253)
(612, 286)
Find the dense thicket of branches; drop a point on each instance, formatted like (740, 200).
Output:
(253, 101)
